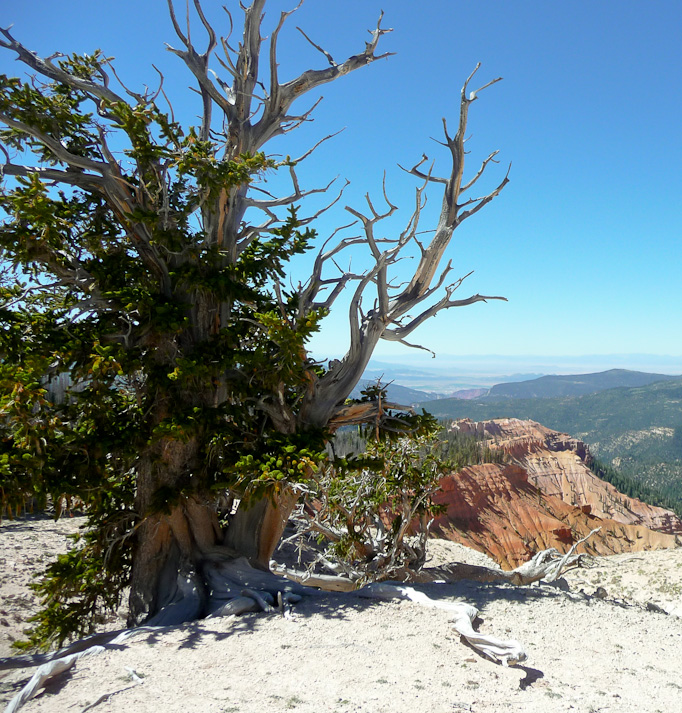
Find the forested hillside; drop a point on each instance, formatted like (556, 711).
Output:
(573, 384)
(638, 430)
(456, 449)
(403, 395)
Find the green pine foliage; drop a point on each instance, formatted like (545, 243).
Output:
(370, 506)
(83, 297)
(363, 508)
(461, 449)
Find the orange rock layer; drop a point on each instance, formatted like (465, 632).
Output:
(545, 497)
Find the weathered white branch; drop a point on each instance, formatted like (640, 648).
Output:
(274, 65)
(509, 652)
(282, 96)
(323, 51)
(490, 158)
(198, 65)
(394, 303)
(59, 151)
(296, 196)
(483, 201)
(549, 564)
(401, 332)
(51, 71)
(86, 181)
(414, 171)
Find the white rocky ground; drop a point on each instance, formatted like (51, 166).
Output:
(598, 651)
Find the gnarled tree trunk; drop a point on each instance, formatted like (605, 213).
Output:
(184, 176)
(174, 529)
(174, 539)
(255, 530)
(175, 549)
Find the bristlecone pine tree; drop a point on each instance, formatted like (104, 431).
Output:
(133, 278)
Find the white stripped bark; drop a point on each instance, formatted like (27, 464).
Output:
(46, 672)
(549, 564)
(58, 662)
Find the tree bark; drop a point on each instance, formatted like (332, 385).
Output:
(168, 547)
(256, 529)
(173, 539)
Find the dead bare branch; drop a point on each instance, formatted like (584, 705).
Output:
(330, 59)
(387, 320)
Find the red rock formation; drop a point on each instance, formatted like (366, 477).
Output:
(558, 465)
(494, 509)
(547, 497)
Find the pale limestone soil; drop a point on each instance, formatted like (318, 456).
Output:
(640, 577)
(391, 657)
(27, 546)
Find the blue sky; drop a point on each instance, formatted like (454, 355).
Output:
(585, 241)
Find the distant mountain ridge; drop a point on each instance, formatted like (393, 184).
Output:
(637, 430)
(542, 387)
(554, 386)
(403, 395)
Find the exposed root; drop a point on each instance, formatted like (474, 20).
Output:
(58, 662)
(326, 582)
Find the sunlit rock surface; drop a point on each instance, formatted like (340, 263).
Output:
(544, 496)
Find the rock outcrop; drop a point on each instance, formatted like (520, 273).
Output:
(544, 496)
(468, 394)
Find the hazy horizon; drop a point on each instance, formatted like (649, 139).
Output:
(455, 372)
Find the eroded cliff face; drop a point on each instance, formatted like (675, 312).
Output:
(558, 465)
(546, 496)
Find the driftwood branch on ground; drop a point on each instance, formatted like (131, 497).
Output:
(547, 565)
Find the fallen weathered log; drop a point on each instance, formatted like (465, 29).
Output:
(57, 662)
(547, 565)
(326, 582)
